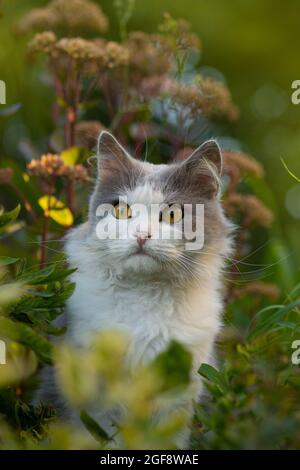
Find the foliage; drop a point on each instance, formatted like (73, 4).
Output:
(148, 90)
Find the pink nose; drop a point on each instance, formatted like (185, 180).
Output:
(142, 237)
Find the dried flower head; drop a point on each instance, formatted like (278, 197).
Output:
(237, 163)
(38, 19)
(207, 97)
(79, 49)
(148, 87)
(43, 42)
(80, 55)
(87, 133)
(50, 166)
(177, 33)
(116, 55)
(253, 210)
(76, 173)
(5, 175)
(47, 166)
(218, 102)
(147, 57)
(91, 56)
(71, 16)
(243, 162)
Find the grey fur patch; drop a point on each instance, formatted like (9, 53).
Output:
(198, 177)
(117, 172)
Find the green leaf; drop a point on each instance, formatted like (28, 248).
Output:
(40, 319)
(6, 260)
(94, 428)
(42, 310)
(60, 274)
(279, 255)
(75, 155)
(23, 334)
(272, 320)
(289, 171)
(214, 376)
(37, 277)
(7, 217)
(53, 273)
(284, 375)
(71, 155)
(262, 312)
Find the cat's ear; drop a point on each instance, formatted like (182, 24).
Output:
(210, 153)
(204, 167)
(113, 159)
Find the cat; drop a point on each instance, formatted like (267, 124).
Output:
(150, 287)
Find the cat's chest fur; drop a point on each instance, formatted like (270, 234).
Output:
(150, 313)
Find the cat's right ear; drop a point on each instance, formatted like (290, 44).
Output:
(204, 168)
(113, 159)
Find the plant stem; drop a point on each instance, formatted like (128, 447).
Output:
(71, 118)
(27, 204)
(70, 126)
(44, 248)
(70, 195)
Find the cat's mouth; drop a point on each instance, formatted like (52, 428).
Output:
(142, 252)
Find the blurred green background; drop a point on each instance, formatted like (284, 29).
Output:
(253, 43)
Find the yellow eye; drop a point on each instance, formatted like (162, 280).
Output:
(122, 211)
(173, 214)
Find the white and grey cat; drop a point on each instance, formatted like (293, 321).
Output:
(151, 288)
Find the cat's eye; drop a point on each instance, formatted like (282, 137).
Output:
(171, 215)
(122, 211)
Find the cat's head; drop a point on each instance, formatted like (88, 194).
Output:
(144, 218)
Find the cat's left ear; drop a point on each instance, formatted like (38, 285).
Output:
(204, 166)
